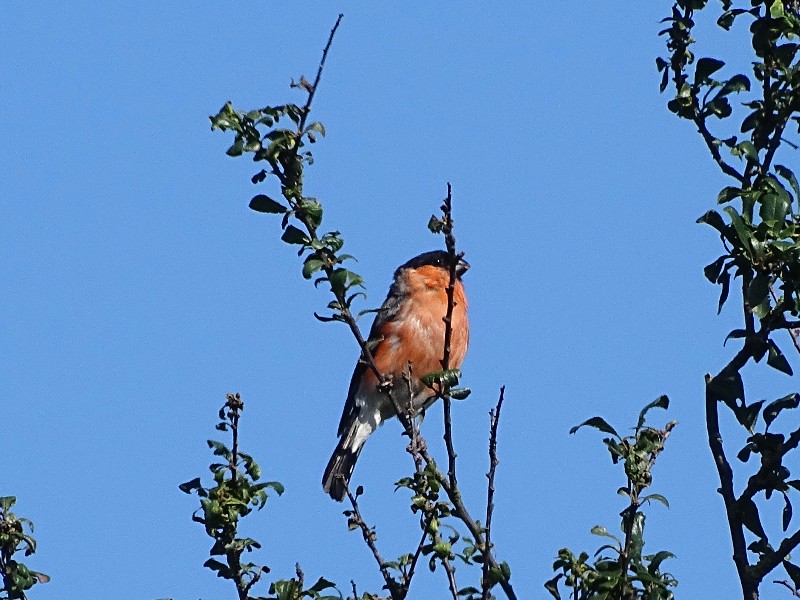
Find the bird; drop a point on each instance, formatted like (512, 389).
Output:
(408, 329)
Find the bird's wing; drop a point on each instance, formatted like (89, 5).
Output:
(386, 313)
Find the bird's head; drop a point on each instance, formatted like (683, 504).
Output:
(436, 258)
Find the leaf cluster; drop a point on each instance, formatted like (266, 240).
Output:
(620, 569)
(285, 150)
(442, 383)
(17, 578)
(236, 491)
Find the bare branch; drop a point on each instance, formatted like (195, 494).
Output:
(313, 90)
(369, 536)
(767, 562)
(713, 147)
(494, 420)
(417, 553)
(728, 495)
(789, 586)
(450, 243)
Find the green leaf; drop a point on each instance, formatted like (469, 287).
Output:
(787, 512)
(322, 584)
(293, 235)
(656, 498)
(442, 549)
(748, 415)
(311, 209)
(189, 486)
(726, 20)
(218, 448)
(746, 149)
(660, 402)
(714, 219)
(758, 289)
(603, 532)
(597, 423)
(793, 572)
(728, 389)
(435, 225)
(221, 568)
(338, 279)
(236, 148)
(774, 208)
(713, 270)
(735, 334)
(311, 266)
(727, 194)
(744, 454)
(751, 121)
(253, 470)
(762, 310)
(773, 409)
(750, 518)
(265, 204)
(460, 393)
(636, 539)
(656, 560)
(705, 68)
(720, 107)
(789, 176)
(318, 127)
(737, 83)
(777, 360)
(275, 485)
(776, 9)
(725, 282)
(226, 118)
(742, 229)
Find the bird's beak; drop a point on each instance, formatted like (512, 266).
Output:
(462, 267)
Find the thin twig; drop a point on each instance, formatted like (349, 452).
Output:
(789, 586)
(450, 244)
(450, 483)
(234, 405)
(713, 148)
(494, 420)
(313, 90)
(417, 553)
(369, 537)
(449, 569)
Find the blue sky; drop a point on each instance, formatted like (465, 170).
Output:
(138, 288)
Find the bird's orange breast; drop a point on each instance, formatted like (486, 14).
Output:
(416, 334)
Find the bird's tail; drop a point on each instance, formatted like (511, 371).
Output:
(340, 466)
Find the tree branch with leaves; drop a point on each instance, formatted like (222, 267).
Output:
(759, 229)
(286, 151)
